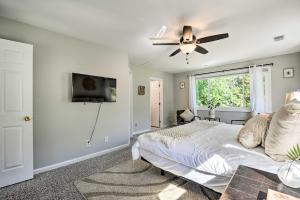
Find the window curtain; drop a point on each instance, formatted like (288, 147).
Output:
(192, 94)
(260, 89)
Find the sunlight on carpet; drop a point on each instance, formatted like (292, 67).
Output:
(171, 192)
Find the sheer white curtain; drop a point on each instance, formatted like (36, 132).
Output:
(260, 89)
(192, 94)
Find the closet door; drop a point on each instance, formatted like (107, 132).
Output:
(16, 134)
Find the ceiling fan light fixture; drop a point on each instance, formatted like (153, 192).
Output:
(189, 42)
(187, 48)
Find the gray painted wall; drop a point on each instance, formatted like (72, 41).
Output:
(61, 128)
(280, 85)
(141, 103)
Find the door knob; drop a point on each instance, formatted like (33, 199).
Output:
(27, 118)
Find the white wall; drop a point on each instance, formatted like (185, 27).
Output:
(61, 127)
(280, 85)
(141, 103)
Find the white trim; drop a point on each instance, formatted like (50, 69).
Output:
(131, 101)
(142, 131)
(78, 159)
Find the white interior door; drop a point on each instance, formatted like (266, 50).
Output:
(16, 136)
(155, 103)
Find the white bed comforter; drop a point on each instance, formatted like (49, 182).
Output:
(172, 136)
(212, 149)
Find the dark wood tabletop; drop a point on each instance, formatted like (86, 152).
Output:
(248, 183)
(212, 118)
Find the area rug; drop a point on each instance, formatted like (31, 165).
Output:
(138, 180)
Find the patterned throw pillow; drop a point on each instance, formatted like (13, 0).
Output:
(187, 115)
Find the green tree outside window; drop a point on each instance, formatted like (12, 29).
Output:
(228, 91)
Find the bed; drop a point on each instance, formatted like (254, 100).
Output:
(205, 152)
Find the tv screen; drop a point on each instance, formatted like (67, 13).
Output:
(87, 88)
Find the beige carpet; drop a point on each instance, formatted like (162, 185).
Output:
(139, 180)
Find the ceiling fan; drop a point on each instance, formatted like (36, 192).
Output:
(189, 43)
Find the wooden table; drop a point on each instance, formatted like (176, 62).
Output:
(212, 119)
(239, 120)
(248, 183)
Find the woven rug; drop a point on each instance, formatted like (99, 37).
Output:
(139, 180)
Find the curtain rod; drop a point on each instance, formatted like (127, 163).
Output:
(226, 70)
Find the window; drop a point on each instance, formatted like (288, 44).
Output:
(229, 91)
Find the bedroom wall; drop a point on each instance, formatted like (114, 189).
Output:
(141, 103)
(280, 85)
(61, 127)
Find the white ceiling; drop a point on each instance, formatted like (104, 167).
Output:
(128, 25)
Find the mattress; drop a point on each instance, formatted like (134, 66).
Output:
(213, 150)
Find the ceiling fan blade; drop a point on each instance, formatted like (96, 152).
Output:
(162, 38)
(212, 38)
(200, 50)
(167, 43)
(175, 52)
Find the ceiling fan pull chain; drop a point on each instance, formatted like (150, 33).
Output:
(187, 58)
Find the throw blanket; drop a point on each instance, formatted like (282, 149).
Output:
(169, 137)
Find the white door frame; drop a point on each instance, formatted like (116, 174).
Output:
(161, 98)
(131, 102)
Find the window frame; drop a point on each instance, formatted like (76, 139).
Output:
(222, 108)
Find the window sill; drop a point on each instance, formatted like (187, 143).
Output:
(226, 109)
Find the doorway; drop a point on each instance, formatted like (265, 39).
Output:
(156, 103)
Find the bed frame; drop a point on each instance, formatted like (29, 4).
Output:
(210, 194)
(162, 172)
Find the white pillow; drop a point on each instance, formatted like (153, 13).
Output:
(187, 115)
(253, 133)
(284, 131)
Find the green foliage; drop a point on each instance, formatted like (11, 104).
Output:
(294, 153)
(202, 92)
(212, 104)
(227, 91)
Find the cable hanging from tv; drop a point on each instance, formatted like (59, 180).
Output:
(94, 127)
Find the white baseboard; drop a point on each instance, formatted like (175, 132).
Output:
(139, 132)
(75, 160)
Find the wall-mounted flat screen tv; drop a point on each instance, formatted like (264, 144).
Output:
(87, 88)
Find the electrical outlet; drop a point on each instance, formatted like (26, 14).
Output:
(106, 139)
(88, 143)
